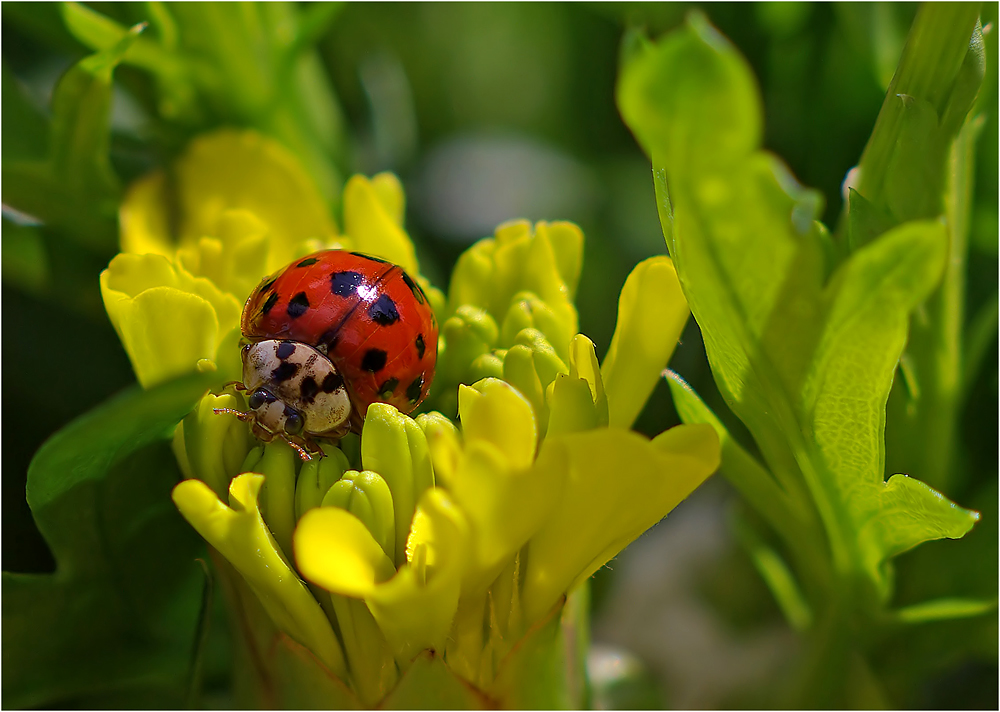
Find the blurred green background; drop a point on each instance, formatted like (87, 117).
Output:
(489, 112)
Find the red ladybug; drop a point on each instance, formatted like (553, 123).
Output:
(327, 336)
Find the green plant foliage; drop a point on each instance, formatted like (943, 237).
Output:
(74, 186)
(804, 339)
(827, 360)
(119, 546)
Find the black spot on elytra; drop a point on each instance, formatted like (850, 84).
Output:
(374, 360)
(332, 382)
(284, 371)
(267, 284)
(298, 305)
(308, 262)
(329, 339)
(413, 391)
(369, 257)
(386, 389)
(308, 389)
(421, 346)
(285, 349)
(344, 284)
(415, 288)
(269, 303)
(383, 311)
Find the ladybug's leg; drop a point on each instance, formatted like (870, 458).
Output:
(303, 453)
(237, 386)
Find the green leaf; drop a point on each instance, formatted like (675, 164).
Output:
(903, 167)
(866, 222)
(75, 188)
(25, 127)
(863, 337)
(777, 576)
(709, 114)
(805, 365)
(120, 611)
(25, 262)
(944, 609)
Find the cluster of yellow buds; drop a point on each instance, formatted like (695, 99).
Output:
(437, 560)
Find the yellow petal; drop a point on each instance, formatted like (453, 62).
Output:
(240, 535)
(652, 313)
(335, 551)
(618, 484)
(416, 607)
(243, 170)
(389, 192)
(373, 228)
(167, 319)
(504, 506)
(567, 244)
(494, 412)
(143, 218)
(444, 443)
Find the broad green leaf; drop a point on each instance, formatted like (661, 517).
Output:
(739, 230)
(863, 337)
(707, 114)
(753, 266)
(121, 609)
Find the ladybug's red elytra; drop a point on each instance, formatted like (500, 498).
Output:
(327, 336)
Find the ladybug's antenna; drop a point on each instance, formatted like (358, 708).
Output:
(245, 417)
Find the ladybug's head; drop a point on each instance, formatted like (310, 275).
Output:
(295, 391)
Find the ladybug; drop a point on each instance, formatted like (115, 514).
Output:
(327, 336)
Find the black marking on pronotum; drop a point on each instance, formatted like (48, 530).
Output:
(284, 350)
(298, 305)
(369, 257)
(421, 346)
(308, 389)
(284, 371)
(269, 303)
(344, 284)
(413, 391)
(374, 360)
(415, 288)
(383, 311)
(308, 262)
(332, 382)
(387, 388)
